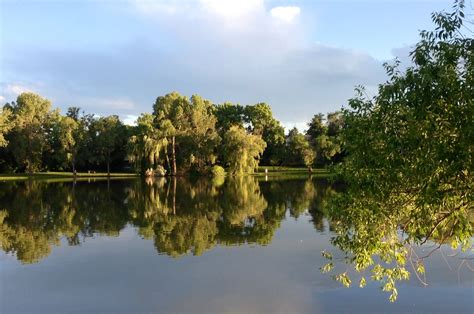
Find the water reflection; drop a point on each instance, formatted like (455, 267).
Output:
(181, 216)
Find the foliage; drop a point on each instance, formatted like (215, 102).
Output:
(217, 171)
(183, 135)
(324, 136)
(227, 115)
(261, 122)
(242, 150)
(409, 162)
(298, 149)
(146, 145)
(66, 132)
(29, 135)
(6, 124)
(202, 138)
(109, 136)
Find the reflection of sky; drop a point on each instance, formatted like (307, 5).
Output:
(126, 274)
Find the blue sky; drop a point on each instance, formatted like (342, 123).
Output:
(116, 57)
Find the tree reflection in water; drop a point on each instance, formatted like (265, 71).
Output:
(180, 215)
(184, 216)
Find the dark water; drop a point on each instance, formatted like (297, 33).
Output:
(241, 246)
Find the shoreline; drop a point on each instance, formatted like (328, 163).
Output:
(272, 172)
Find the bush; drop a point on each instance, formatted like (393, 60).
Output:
(217, 171)
(160, 171)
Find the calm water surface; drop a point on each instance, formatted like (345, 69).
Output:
(242, 245)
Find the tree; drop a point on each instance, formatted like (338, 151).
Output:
(202, 135)
(29, 138)
(335, 123)
(409, 158)
(324, 137)
(109, 140)
(74, 113)
(298, 150)
(147, 144)
(6, 124)
(228, 115)
(261, 122)
(316, 127)
(242, 151)
(69, 135)
(169, 112)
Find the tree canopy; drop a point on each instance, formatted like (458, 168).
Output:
(409, 158)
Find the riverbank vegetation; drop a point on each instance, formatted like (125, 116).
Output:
(408, 165)
(181, 135)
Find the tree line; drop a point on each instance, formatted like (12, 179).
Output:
(181, 135)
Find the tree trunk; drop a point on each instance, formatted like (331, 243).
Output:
(173, 155)
(74, 164)
(174, 196)
(168, 164)
(108, 166)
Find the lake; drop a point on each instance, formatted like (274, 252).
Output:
(243, 245)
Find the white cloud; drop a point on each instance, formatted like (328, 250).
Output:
(129, 119)
(285, 14)
(148, 7)
(226, 9)
(16, 89)
(10, 91)
(300, 125)
(240, 53)
(233, 8)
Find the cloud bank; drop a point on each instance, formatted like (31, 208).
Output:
(224, 50)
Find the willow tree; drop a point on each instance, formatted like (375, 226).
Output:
(170, 118)
(409, 158)
(202, 137)
(242, 151)
(147, 145)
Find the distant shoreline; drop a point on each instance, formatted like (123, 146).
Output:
(63, 175)
(272, 171)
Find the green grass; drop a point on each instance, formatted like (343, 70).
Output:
(291, 171)
(273, 171)
(62, 175)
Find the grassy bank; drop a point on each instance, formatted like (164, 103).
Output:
(273, 171)
(61, 175)
(290, 171)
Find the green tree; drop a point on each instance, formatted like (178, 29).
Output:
(316, 127)
(261, 122)
(227, 115)
(324, 137)
(147, 144)
(30, 114)
(242, 151)
(409, 158)
(298, 149)
(335, 123)
(170, 117)
(201, 137)
(109, 140)
(6, 124)
(68, 134)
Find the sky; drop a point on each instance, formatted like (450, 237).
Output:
(115, 57)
